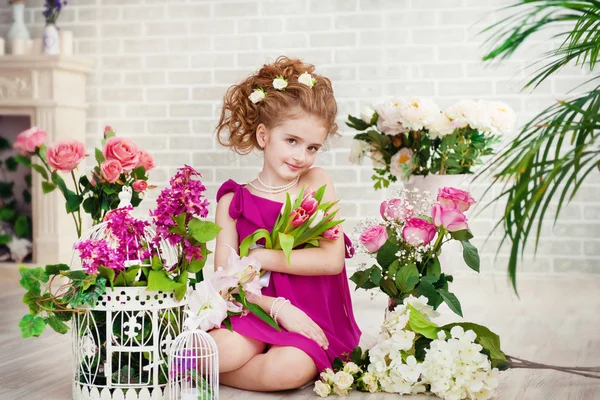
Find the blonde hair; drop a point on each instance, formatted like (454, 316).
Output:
(240, 116)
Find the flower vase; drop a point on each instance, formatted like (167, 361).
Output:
(18, 30)
(51, 40)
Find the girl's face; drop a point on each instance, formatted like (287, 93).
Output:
(291, 147)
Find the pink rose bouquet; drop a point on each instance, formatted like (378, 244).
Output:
(302, 222)
(119, 163)
(408, 242)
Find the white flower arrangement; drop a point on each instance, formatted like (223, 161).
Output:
(257, 95)
(280, 83)
(307, 79)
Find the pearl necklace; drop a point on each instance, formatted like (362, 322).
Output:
(274, 189)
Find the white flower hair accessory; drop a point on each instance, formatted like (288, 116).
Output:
(280, 83)
(307, 79)
(257, 95)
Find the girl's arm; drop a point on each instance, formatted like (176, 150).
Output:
(228, 235)
(327, 259)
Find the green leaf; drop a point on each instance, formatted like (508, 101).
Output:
(55, 269)
(434, 268)
(159, 280)
(31, 278)
(464, 234)
(388, 287)
(5, 144)
(23, 160)
(108, 274)
(57, 325)
(419, 324)
(73, 202)
(451, 300)
(376, 276)
(32, 326)
(11, 164)
(471, 255)
(99, 156)
(387, 254)
(157, 263)
(227, 323)
(203, 231)
(421, 345)
(30, 298)
(41, 170)
(5, 239)
(287, 244)
(58, 181)
(7, 214)
(427, 289)
(22, 227)
(407, 278)
(48, 187)
(180, 289)
(180, 221)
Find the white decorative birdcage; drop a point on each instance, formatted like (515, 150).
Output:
(193, 367)
(120, 346)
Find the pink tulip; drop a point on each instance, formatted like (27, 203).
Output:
(450, 218)
(140, 185)
(374, 237)
(332, 233)
(309, 204)
(28, 141)
(65, 155)
(418, 232)
(111, 170)
(393, 209)
(146, 161)
(455, 198)
(123, 150)
(299, 216)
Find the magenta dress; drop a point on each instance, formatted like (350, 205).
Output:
(325, 299)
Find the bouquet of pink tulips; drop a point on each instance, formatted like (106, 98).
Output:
(408, 242)
(304, 221)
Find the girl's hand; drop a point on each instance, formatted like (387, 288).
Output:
(293, 319)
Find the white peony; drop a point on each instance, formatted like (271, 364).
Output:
(257, 95)
(351, 368)
(306, 79)
(358, 150)
(342, 380)
(463, 114)
(390, 115)
(367, 114)
(502, 117)
(207, 309)
(440, 126)
(322, 389)
(280, 83)
(401, 163)
(416, 113)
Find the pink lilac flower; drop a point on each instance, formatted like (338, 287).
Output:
(184, 195)
(97, 252)
(129, 234)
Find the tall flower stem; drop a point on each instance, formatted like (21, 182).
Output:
(77, 225)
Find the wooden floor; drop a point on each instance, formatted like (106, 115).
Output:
(556, 321)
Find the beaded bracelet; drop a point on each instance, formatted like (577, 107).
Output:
(273, 305)
(277, 312)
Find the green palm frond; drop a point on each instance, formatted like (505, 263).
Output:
(580, 21)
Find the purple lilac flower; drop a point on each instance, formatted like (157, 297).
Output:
(97, 252)
(129, 234)
(185, 195)
(184, 363)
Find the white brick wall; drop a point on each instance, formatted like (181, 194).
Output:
(162, 68)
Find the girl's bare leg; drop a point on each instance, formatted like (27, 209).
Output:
(235, 350)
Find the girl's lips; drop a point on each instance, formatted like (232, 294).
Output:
(293, 167)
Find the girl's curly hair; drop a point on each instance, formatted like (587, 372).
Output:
(240, 117)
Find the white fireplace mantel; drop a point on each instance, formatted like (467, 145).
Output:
(50, 90)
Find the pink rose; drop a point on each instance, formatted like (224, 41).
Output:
(29, 140)
(65, 155)
(332, 233)
(107, 130)
(455, 198)
(146, 161)
(418, 232)
(299, 216)
(394, 210)
(374, 237)
(309, 204)
(450, 218)
(122, 150)
(111, 170)
(140, 185)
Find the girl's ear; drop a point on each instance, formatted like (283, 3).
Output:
(262, 135)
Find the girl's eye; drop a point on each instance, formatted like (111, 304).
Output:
(313, 149)
(291, 141)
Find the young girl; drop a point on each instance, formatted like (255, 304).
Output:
(286, 111)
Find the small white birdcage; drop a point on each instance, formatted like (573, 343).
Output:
(120, 346)
(193, 367)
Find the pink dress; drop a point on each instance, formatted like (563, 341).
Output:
(325, 299)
